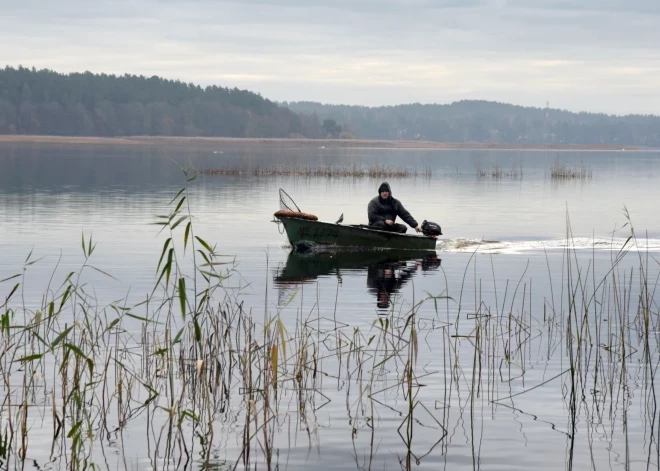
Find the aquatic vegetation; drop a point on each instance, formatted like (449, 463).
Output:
(561, 171)
(205, 381)
(376, 172)
(497, 172)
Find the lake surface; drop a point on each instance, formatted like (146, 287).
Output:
(539, 350)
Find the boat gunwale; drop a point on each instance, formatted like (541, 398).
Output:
(360, 227)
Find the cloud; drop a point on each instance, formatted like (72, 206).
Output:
(363, 52)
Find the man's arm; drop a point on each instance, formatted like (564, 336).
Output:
(372, 212)
(405, 215)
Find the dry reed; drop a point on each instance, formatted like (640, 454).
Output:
(561, 171)
(192, 368)
(497, 172)
(377, 171)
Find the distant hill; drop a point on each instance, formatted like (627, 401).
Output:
(487, 122)
(86, 104)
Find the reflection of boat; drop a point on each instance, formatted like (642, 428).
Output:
(307, 232)
(387, 271)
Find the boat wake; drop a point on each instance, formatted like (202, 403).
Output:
(552, 245)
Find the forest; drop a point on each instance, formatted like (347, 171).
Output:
(488, 122)
(86, 104)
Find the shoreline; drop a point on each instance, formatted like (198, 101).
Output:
(215, 142)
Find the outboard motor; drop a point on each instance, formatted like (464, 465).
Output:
(431, 229)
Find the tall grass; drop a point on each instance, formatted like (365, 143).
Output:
(202, 380)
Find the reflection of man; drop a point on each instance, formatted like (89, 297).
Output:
(384, 209)
(383, 300)
(382, 279)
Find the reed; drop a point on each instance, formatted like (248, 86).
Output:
(497, 172)
(561, 171)
(192, 369)
(375, 172)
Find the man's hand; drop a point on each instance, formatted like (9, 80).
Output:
(389, 222)
(418, 228)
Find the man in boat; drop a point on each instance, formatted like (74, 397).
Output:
(384, 209)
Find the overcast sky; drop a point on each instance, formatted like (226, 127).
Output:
(591, 55)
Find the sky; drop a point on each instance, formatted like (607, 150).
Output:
(580, 55)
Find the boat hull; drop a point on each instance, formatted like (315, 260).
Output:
(304, 232)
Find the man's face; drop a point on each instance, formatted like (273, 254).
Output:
(384, 194)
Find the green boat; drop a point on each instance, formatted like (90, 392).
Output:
(306, 233)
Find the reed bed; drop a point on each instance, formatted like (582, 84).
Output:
(376, 172)
(497, 172)
(561, 171)
(206, 382)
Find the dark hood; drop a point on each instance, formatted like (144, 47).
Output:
(384, 187)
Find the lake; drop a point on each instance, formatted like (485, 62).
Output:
(530, 338)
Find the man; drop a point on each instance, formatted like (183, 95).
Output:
(384, 209)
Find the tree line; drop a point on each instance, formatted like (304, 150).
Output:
(86, 104)
(488, 122)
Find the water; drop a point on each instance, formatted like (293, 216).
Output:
(503, 255)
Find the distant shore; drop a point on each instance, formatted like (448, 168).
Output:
(216, 142)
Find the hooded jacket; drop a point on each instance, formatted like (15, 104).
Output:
(381, 210)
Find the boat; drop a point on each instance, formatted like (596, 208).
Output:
(304, 232)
